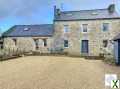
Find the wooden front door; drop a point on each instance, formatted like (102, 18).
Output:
(84, 46)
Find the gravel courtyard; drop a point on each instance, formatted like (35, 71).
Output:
(49, 72)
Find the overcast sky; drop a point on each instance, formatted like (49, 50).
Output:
(14, 12)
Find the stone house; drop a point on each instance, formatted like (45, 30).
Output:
(29, 37)
(84, 32)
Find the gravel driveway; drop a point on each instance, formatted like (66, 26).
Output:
(49, 72)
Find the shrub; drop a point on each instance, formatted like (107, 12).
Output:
(56, 50)
(108, 56)
(109, 59)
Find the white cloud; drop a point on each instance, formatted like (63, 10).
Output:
(27, 7)
(21, 7)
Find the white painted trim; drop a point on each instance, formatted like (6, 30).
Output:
(82, 29)
(65, 29)
(66, 47)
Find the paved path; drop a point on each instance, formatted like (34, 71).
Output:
(48, 72)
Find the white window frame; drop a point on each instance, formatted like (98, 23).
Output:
(82, 28)
(66, 29)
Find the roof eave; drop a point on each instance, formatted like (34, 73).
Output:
(87, 19)
(29, 36)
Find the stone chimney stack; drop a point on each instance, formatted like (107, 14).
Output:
(111, 8)
(56, 11)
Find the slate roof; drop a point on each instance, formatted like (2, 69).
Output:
(43, 30)
(86, 15)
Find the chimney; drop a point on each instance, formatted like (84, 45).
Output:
(111, 8)
(56, 11)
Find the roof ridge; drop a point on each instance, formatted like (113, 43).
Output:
(32, 24)
(83, 10)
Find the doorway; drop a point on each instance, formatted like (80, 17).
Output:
(84, 46)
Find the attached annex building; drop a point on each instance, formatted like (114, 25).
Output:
(84, 32)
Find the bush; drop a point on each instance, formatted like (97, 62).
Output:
(108, 55)
(109, 59)
(56, 50)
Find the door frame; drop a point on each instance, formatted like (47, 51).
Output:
(82, 49)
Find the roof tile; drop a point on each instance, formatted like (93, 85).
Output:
(86, 15)
(33, 30)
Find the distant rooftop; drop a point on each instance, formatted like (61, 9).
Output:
(42, 30)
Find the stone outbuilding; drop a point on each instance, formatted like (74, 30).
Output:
(29, 37)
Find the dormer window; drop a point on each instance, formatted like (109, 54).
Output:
(26, 29)
(94, 13)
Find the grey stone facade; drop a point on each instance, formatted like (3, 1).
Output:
(74, 20)
(95, 35)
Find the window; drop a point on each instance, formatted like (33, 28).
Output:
(94, 13)
(66, 43)
(66, 28)
(105, 43)
(45, 42)
(15, 41)
(26, 29)
(105, 26)
(85, 27)
(36, 43)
